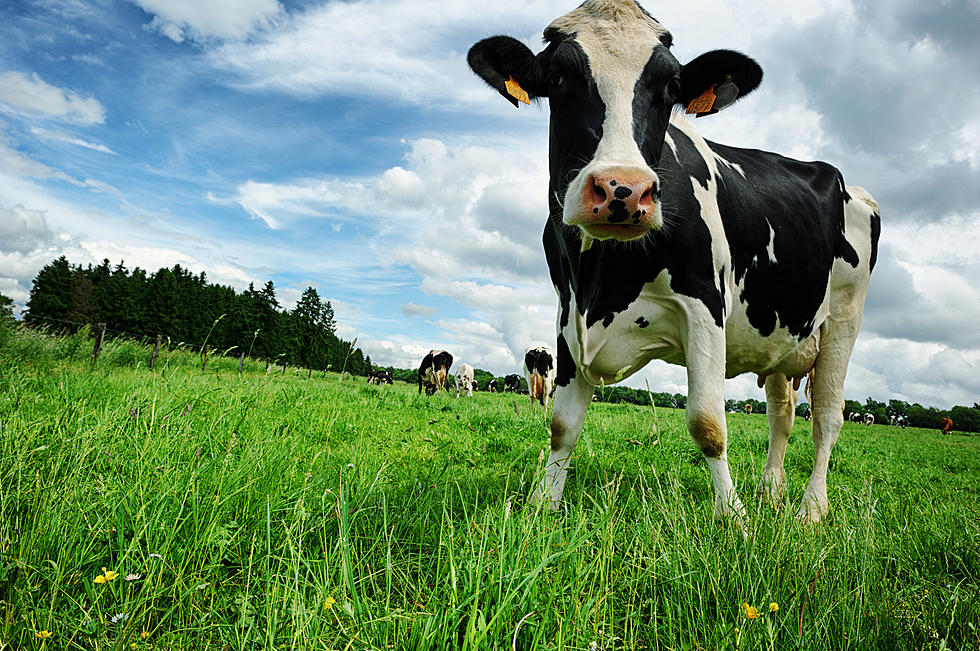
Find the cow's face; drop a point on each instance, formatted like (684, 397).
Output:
(612, 84)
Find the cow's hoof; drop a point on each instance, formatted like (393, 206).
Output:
(812, 510)
(771, 491)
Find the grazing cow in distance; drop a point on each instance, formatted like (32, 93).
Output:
(747, 408)
(512, 383)
(855, 417)
(869, 419)
(807, 415)
(945, 425)
(492, 386)
(433, 371)
(902, 422)
(464, 380)
(663, 245)
(380, 376)
(539, 369)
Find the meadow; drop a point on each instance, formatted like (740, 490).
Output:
(181, 509)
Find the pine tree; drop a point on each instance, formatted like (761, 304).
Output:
(50, 293)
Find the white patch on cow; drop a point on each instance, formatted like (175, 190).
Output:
(673, 146)
(464, 380)
(730, 165)
(618, 39)
(771, 247)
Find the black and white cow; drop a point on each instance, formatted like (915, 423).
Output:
(855, 417)
(901, 421)
(869, 419)
(663, 245)
(433, 371)
(512, 383)
(540, 371)
(492, 386)
(380, 376)
(464, 380)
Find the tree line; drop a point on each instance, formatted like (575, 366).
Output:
(187, 309)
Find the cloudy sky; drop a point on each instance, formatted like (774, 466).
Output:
(346, 145)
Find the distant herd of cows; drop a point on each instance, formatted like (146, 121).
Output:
(539, 371)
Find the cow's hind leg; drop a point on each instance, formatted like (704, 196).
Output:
(780, 410)
(838, 334)
(567, 420)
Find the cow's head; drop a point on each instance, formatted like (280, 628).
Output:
(612, 84)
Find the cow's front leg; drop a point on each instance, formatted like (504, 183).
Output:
(706, 413)
(567, 419)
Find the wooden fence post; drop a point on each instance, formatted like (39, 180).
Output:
(284, 367)
(99, 335)
(309, 372)
(156, 351)
(241, 362)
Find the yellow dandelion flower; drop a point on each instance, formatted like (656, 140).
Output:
(329, 602)
(110, 575)
(145, 634)
(751, 612)
(773, 607)
(43, 634)
(133, 645)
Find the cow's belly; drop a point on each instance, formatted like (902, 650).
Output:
(654, 326)
(748, 351)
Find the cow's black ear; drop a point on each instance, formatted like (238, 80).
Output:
(729, 75)
(499, 58)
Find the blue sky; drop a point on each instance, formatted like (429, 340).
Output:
(346, 145)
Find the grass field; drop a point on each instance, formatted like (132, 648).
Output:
(276, 511)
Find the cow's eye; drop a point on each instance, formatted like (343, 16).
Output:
(673, 90)
(556, 80)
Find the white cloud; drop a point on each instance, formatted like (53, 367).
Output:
(204, 19)
(22, 230)
(61, 136)
(34, 95)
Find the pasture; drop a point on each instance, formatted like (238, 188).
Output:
(276, 511)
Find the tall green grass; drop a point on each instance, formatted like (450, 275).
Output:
(273, 511)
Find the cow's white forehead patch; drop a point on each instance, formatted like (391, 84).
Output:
(620, 25)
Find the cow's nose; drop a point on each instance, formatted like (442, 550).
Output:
(620, 196)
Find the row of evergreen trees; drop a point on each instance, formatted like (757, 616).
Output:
(186, 308)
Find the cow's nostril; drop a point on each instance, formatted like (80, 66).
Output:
(647, 195)
(599, 192)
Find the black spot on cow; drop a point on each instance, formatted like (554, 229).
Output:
(565, 371)
(607, 321)
(875, 234)
(801, 211)
(539, 359)
(642, 322)
(622, 191)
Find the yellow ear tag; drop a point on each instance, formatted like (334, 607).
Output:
(514, 90)
(703, 102)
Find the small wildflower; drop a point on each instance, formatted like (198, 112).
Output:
(43, 634)
(773, 607)
(329, 602)
(118, 618)
(133, 577)
(155, 555)
(133, 645)
(106, 576)
(188, 407)
(145, 634)
(751, 612)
